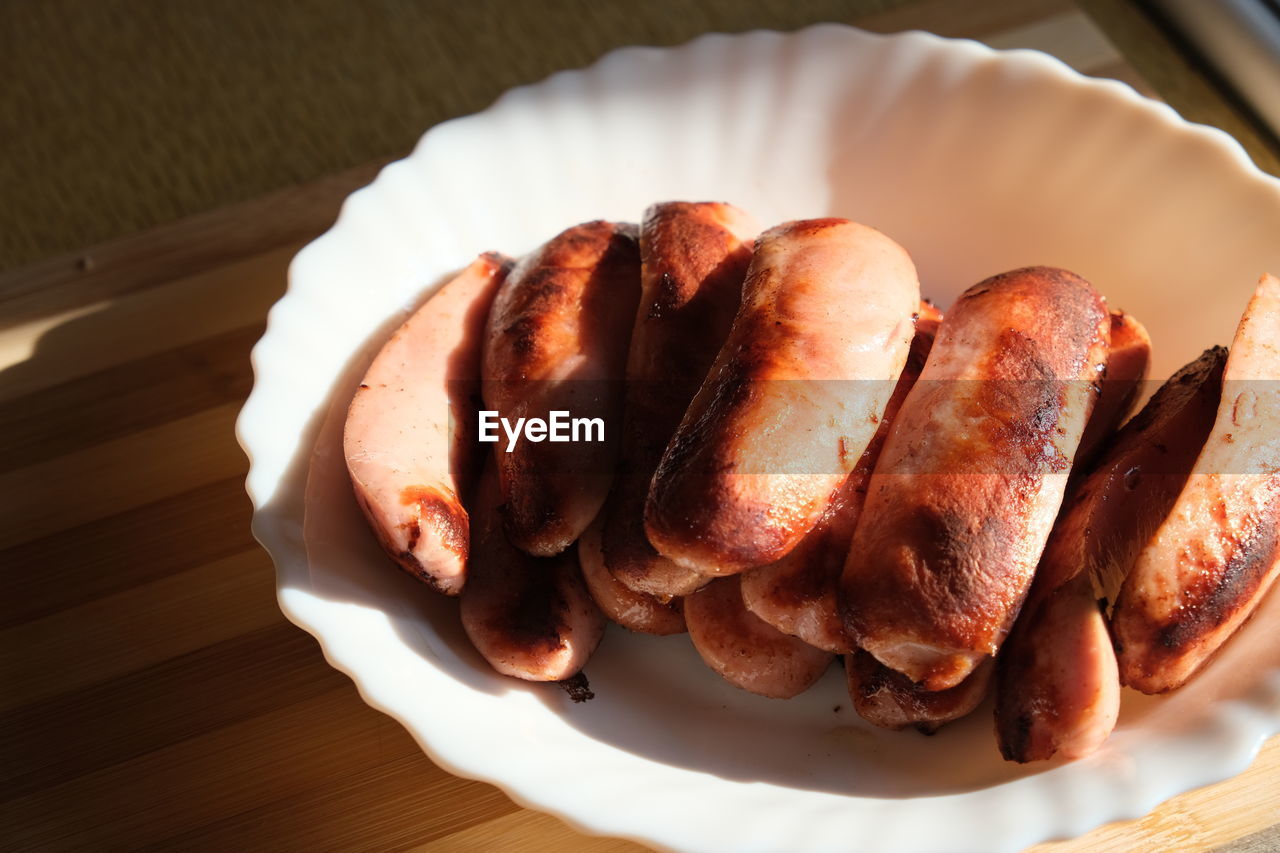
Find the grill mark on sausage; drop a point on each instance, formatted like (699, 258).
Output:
(409, 561)
(935, 584)
(443, 513)
(1015, 737)
(693, 263)
(404, 557)
(556, 340)
(814, 226)
(413, 531)
(1216, 595)
(1024, 404)
(538, 619)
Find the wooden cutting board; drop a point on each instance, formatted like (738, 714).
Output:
(152, 692)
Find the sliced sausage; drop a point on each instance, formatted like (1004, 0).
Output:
(407, 439)
(1218, 552)
(1058, 688)
(746, 651)
(797, 594)
(633, 610)
(792, 400)
(694, 258)
(530, 617)
(557, 341)
(887, 698)
(972, 474)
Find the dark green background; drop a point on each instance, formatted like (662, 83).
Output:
(117, 115)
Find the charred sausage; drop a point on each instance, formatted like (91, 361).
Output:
(797, 594)
(694, 257)
(1058, 688)
(972, 474)
(792, 400)
(557, 341)
(1218, 552)
(529, 617)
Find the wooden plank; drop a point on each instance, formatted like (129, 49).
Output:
(1178, 79)
(1264, 841)
(84, 341)
(392, 806)
(162, 255)
(127, 472)
(111, 403)
(307, 745)
(89, 730)
(75, 565)
(99, 640)
(540, 833)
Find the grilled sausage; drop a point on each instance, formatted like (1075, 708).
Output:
(887, 698)
(1128, 358)
(1218, 552)
(792, 400)
(746, 651)
(797, 594)
(529, 617)
(633, 610)
(693, 261)
(965, 491)
(557, 341)
(1058, 689)
(409, 461)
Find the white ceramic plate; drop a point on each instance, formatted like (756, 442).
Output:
(976, 162)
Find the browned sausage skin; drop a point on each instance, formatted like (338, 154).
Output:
(1218, 552)
(972, 474)
(792, 400)
(797, 594)
(887, 698)
(746, 651)
(530, 617)
(557, 341)
(1058, 689)
(1128, 359)
(694, 258)
(408, 441)
(1133, 485)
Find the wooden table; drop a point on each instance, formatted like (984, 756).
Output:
(153, 695)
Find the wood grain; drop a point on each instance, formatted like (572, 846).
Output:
(154, 697)
(205, 241)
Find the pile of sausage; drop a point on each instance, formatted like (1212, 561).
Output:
(802, 460)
